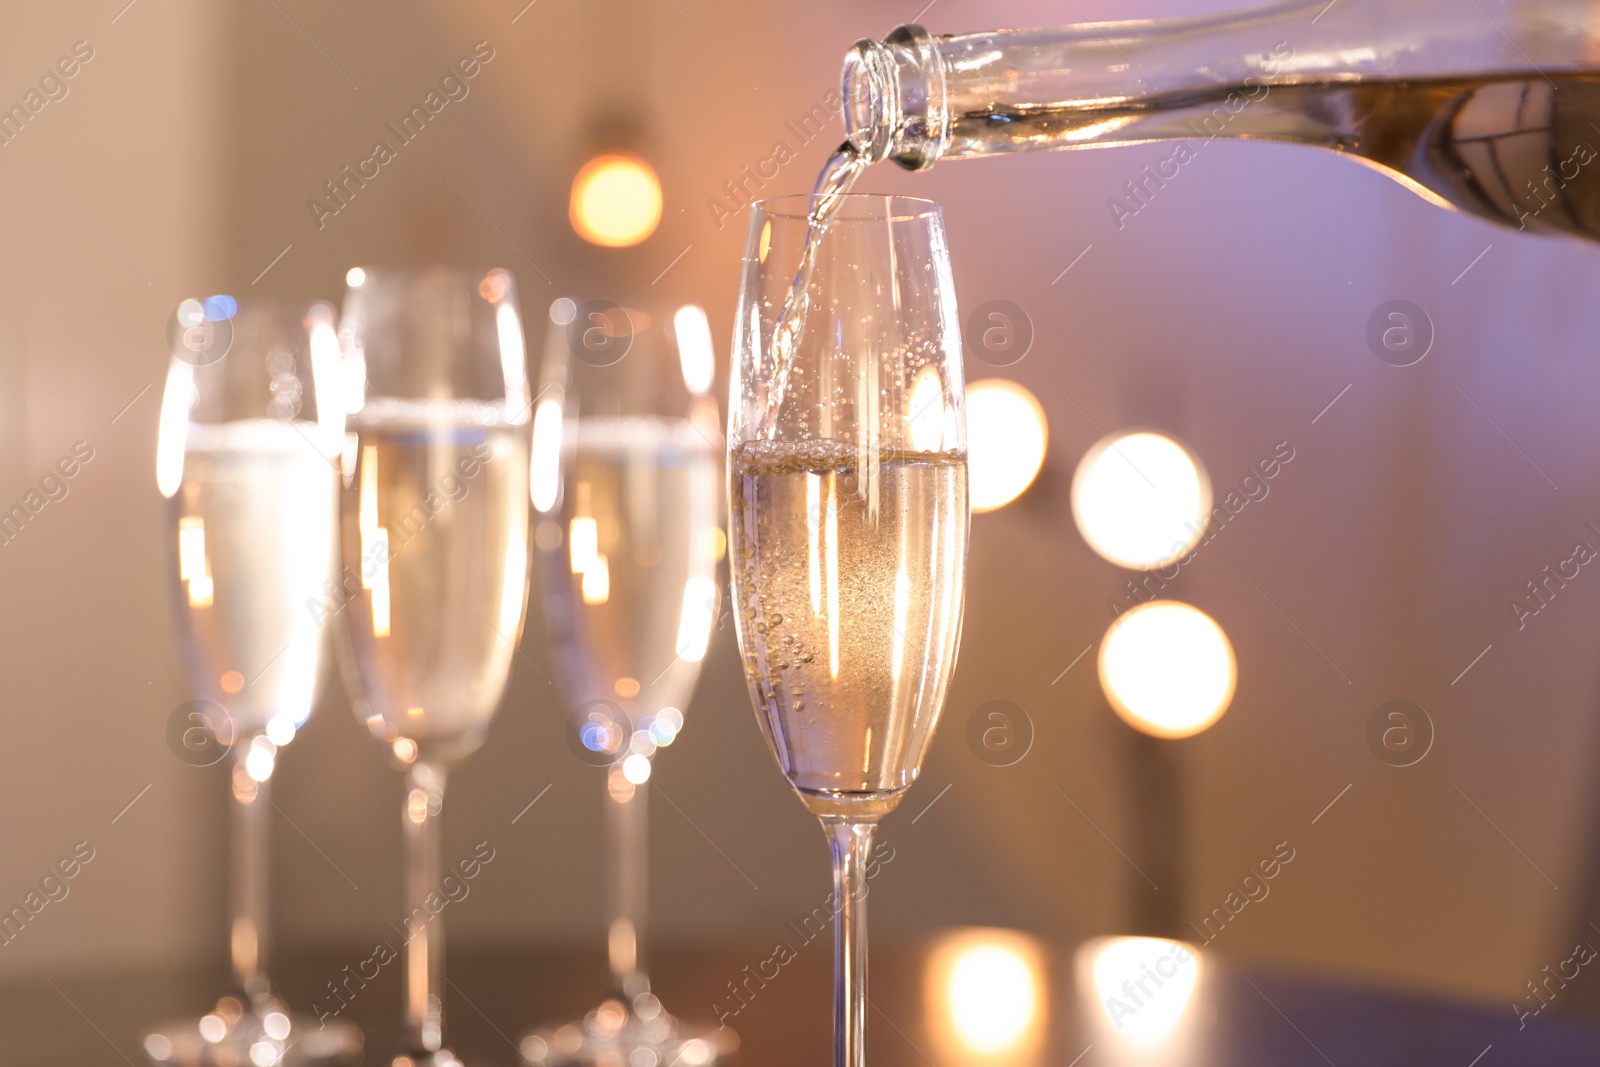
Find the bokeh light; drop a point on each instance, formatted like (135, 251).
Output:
(1140, 499)
(327, 379)
(695, 353)
(616, 201)
(699, 616)
(636, 768)
(986, 997)
(1167, 668)
(513, 360)
(664, 726)
(281, 729)
(563, 309)
(1143, 986)
(260, 759)
(992, 996)
(219, 307)
(544, 471)
(173, 429)
(925, 411)
(1006, 440)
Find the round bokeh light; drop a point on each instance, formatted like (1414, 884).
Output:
(1006, 440)
(1140, 499)
(1168, 669)
(616, 201)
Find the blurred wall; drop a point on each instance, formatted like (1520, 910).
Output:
(1230, 311)
(114, 196)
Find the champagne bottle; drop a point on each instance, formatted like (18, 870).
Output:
(1487, 108)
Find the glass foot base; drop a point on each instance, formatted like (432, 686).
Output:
(267, 1036)
(439, 1058)
(613, 1036)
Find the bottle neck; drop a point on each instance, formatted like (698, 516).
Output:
(896, 99)
(916, 98)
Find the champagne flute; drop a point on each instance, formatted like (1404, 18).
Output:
(251, 423)
(434, 521)
(625, 484)
(847, 483)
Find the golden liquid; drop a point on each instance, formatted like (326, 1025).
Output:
(253, 524)
(435, 623)
(641, 506)
(848, 587)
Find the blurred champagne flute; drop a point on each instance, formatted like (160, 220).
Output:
(251, 423)
(847, 484)
(626, 490)
(434, 520)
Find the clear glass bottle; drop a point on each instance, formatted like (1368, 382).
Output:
(1490, 107)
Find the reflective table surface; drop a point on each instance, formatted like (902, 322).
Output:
(968, 996)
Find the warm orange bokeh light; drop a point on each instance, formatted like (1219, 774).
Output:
(986, 998)
(616, 201)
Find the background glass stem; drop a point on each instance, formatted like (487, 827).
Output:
(424, 999)
(248, 885)
(851, 844)
(627, 878)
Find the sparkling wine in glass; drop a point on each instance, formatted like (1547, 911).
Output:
(627, 493)
(434, 545)
(247, 457)
(847, 484)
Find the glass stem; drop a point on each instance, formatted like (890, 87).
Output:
(424, 929)
(851, 844)
(627, 869)
(247, 903)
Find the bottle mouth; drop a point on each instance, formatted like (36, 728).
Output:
(894, 99)
(869, 91)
